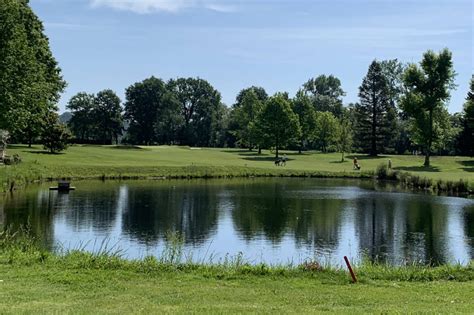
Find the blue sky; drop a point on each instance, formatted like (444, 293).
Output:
(277, 44)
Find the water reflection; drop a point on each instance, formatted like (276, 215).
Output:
(274, 220)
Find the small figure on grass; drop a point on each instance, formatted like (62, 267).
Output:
(356, 164)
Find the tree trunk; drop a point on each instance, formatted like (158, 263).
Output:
(430, 142)
(373, 149)
(342, 158)
(276, 152)
(259, 150)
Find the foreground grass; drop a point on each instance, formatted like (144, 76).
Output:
(164, 161)
(49, 289)
(36, 281)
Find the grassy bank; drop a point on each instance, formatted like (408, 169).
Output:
(176, 162)
(35, 281)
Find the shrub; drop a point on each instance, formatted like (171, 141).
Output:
(12, 160)
(55, 135)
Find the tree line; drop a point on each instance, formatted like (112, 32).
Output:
(401, 108)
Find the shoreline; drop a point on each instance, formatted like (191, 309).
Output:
(407, 181)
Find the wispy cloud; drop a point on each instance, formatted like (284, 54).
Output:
(151, 6)
(224, 8)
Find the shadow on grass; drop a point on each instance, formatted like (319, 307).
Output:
(469, 165)
(417, 168)
(18, 146)
(366, 157)
(45, 152)
(263, 159)
(128, 147)
(340, 162)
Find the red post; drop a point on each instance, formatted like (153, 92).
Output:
(354, 279)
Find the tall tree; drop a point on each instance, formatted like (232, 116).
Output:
(30, 79)
(428, 88)
(199, 103)
(372, 113)
(82, 122)
(145, 103)
(277, 125)
(393, 69)
(326, 94)
(307, 118)
(257, 90)
(108, 115)
(168, 121)
(326, 130)
(244, 114)
(466, 137)
(344, 135)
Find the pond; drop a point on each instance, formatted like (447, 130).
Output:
(275, 220)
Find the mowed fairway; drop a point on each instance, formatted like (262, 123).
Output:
(94, 161)
(58, 290)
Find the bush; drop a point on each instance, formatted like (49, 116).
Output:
(55, 135)
(12, 160)
(382, 171)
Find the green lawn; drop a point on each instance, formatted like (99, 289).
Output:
(110, 161)
(48, 289)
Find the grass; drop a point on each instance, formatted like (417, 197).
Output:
(35, 281)
(168, 161)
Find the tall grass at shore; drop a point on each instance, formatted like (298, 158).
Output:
(21, 248)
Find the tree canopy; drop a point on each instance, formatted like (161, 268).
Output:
(277, 125)
(326, 94)
(428, 87)
(30, 78)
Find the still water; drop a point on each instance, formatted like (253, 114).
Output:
(267, 220)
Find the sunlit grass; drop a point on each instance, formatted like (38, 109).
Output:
(35, 281)
(171, 161)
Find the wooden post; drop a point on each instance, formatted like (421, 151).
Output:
(354, 279)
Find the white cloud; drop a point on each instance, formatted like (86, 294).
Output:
(150, 6)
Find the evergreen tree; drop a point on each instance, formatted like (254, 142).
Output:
(466, 137)
(373, 119)
(54, 135)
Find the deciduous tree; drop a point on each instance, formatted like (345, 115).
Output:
(428, 88)
(307, 118)
(30, 79)
(326, 94)
(277, 125)
(108, 115)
